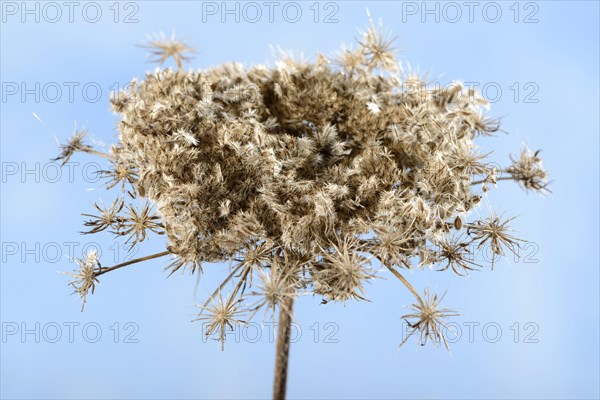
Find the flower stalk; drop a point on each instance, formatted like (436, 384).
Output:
(282, 349)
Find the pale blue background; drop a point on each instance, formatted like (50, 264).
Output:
(559, 293)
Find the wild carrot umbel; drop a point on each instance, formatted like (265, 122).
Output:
(301, 176)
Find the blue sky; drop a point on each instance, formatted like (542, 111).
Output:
(538, 63)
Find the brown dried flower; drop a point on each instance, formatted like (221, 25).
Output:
(137, 222)
(74, 144)
(300, 174)
(108, 218)
(429, 324)
(342, 271)
(494, 231)
(221, 317)
(162, 48)
(86, 277)
(529, 171)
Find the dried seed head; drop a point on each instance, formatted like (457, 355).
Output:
(283, 169)
(342, 272)
(495, 232)
(137, 222)
(108, 218)
(75, 143)
(529, 171)
(221, 317)
(85, 278)
(120, 173)
(429, 324)
(277, 286)
(378, 47)
(163, 48)
(456, 254)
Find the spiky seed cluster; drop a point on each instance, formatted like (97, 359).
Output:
(455, 253)
(494, 231)
(429, 320)
(120, 174)
(302, 172)
(376, 48)
(75, 143)
(162, 48)
(529, 171)
(277, 284)
(341, 273)
(138, 223)
(85, 278)
(221, 316)
(108, 217)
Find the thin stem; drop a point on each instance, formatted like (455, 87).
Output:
(502, 178)
(405, 282)
(395, 272)
(98, 153)
(126, 263)
(222, 285)
(242, 280)
(282, 349)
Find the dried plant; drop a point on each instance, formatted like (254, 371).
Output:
(87, 275)
(494, 231)
(221, 316)
(162, 48)
(429, 317)
(299, 175)
(528, 170)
